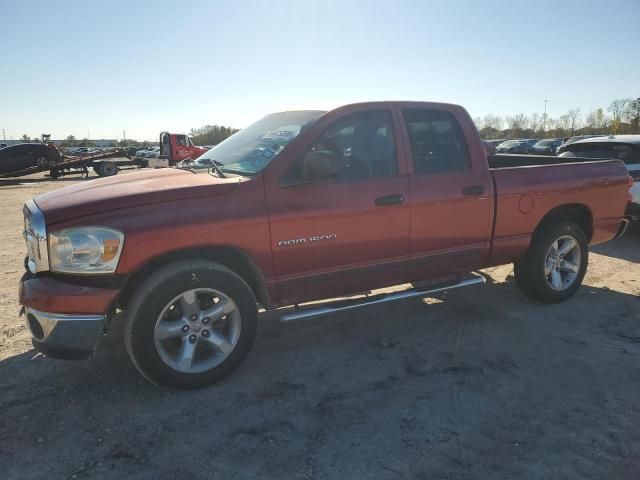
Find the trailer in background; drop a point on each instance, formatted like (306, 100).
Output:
(105, 163)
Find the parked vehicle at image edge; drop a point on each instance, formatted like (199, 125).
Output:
(546, 146)
(297, 207)
(623, 147)
(23, 156)
(516, 146)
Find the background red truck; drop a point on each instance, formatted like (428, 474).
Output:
(303, 206)
(176, 147)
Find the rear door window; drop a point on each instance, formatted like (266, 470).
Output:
(437, 142)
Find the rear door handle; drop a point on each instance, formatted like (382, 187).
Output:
(473, 190)
(389, 200)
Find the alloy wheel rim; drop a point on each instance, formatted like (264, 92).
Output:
(562, 263)
(197, 330)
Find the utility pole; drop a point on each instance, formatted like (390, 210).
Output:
(124, 137)
(4, 137)
(544, 117)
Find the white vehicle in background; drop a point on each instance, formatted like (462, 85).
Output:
(623, 147)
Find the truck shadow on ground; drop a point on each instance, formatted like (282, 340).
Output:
(396, 380)
(626, 247)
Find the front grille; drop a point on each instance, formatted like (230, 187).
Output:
(35, 235)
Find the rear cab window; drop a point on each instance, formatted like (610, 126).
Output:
(437, 142)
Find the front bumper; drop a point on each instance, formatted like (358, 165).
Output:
(65, 320)
(62, 335)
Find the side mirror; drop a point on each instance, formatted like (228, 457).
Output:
(320, 165)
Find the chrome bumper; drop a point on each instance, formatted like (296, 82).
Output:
(62, 335)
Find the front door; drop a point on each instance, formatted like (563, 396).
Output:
(349, 233)
(180, 148)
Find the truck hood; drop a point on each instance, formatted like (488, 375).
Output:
(131, 190)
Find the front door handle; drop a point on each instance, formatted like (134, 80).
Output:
(389, 200)
(473, 190)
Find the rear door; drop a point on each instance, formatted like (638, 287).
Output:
(451, 192)
(349, 233)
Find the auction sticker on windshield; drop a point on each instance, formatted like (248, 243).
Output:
(286, 132)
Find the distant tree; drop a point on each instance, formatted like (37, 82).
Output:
(574, 119)
(619, 112)
(85, 142)
(70, 141)
(25, 138)
(493, 121)
(211, 134)
(601, 120)
(534, 122)
(590, 122)
(634, 115)
(517, 124)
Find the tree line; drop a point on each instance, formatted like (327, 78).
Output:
(211, 134)
(622, 116)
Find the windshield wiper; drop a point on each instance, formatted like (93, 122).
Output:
(215, 165)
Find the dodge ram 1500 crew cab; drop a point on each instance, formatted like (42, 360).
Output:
(297, 207)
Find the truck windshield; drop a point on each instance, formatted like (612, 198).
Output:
(250, 150)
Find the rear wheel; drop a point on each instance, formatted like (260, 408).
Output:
(555, 264)
(191, 324)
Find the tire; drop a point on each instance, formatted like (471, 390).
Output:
(552, 277)
(157, 305)
(42, 162)
(106, 169)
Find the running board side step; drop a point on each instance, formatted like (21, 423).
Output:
(342, 305)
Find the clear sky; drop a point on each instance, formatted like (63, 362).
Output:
(95, 68)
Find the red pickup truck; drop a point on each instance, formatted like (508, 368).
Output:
(297, 207)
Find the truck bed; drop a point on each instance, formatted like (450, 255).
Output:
(528, 187)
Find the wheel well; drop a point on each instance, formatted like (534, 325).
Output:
(574, 212)
(230, 257)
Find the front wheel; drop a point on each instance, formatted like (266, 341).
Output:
(555, 264)
(191, 324)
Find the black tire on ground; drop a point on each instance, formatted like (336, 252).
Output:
(530, 273)
(106, 169)
(153, 295)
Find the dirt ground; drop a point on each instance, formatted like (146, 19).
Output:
(477, 383)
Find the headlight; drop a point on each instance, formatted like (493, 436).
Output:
(89, 250)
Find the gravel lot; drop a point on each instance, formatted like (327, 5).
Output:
(477, 383)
